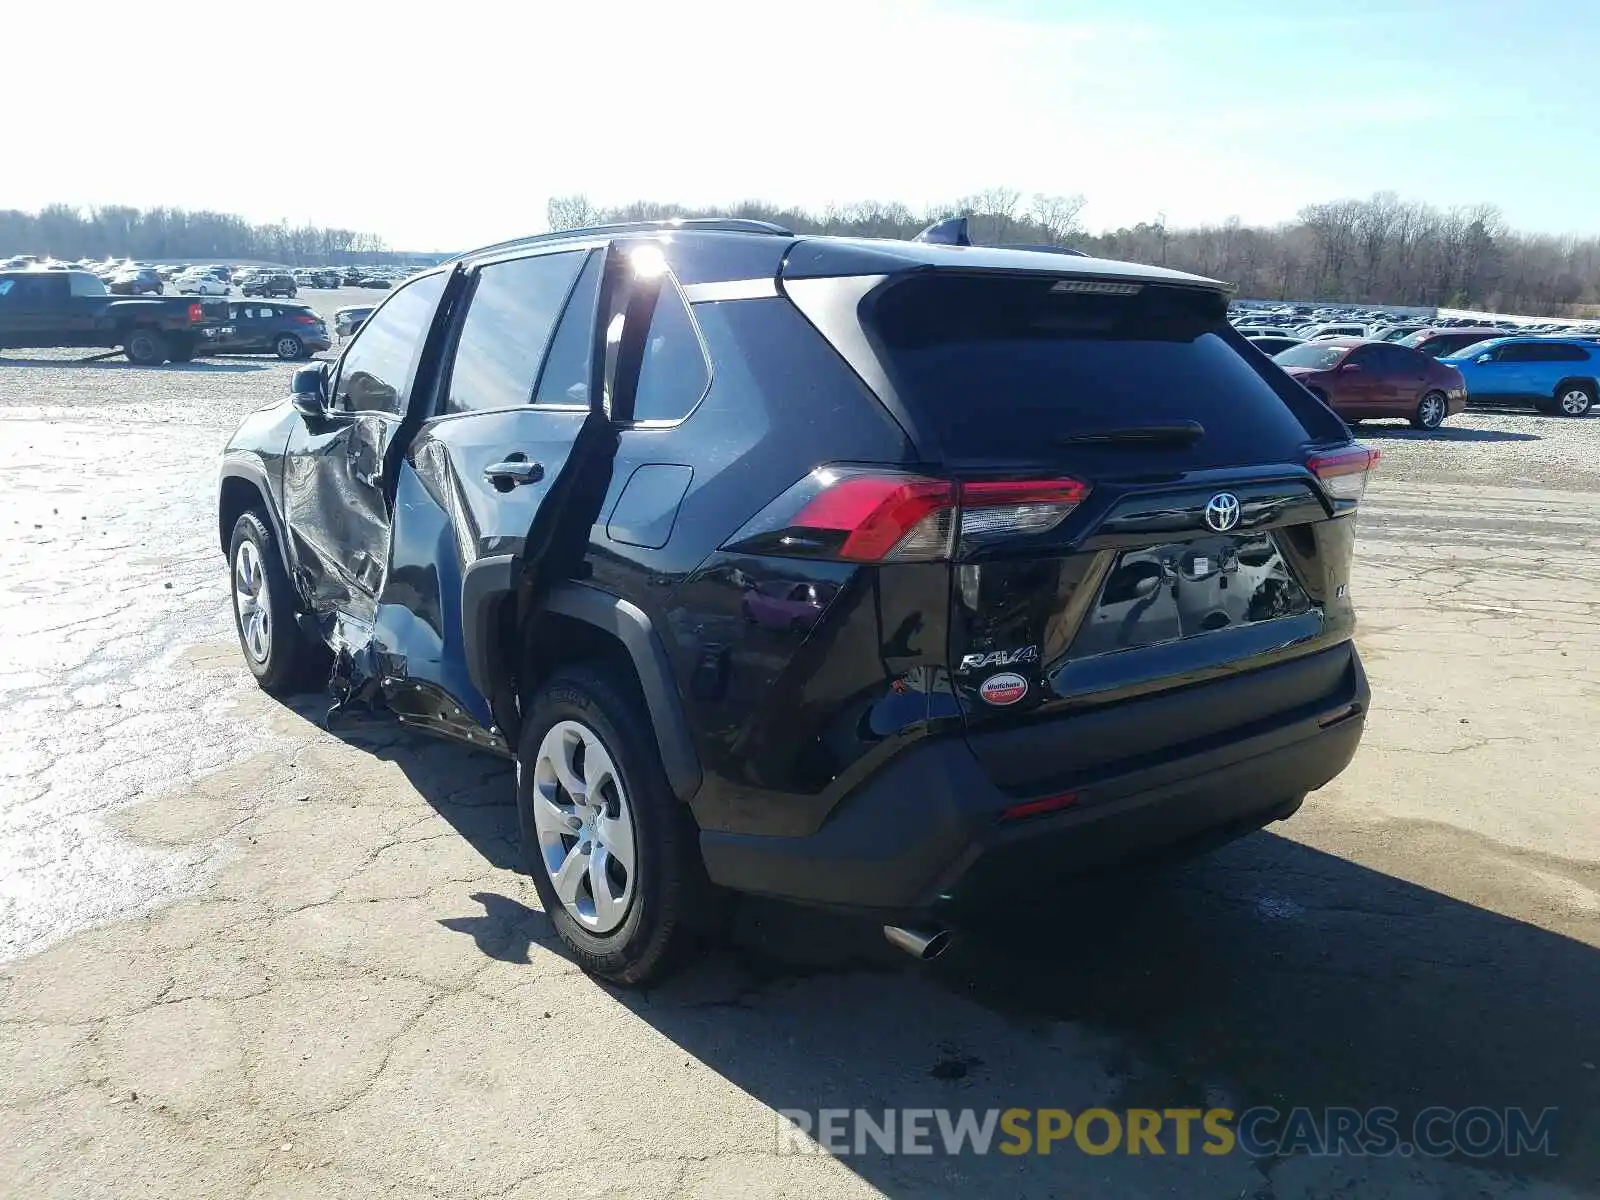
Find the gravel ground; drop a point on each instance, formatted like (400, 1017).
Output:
(246, 957)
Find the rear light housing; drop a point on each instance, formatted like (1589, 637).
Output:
(1035, 808)
(196, 313)
(307, 319)
(1343, 473)
(862, 514)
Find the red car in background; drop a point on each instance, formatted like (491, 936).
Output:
(1359, 379)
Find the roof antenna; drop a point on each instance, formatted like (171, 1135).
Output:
(952, 231)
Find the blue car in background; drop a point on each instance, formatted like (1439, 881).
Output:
(1555, 375)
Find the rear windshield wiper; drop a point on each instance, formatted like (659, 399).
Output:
(1180, 433)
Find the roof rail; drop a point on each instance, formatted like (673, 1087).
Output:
(713, 224)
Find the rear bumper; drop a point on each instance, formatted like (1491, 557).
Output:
(926, 833)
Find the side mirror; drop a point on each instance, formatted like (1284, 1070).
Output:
(308, 392)
(1351, 367)
(1486, 356)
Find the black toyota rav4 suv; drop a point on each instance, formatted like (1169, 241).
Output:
(878, 575)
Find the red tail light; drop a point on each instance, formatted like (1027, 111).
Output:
(307, 319)
(888, 516)
(1344, 472)
(196, 314)
(1032, 808)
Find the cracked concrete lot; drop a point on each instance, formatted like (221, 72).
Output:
(246, 957)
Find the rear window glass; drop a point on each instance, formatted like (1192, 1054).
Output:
(1317, 356)
(1004, 366)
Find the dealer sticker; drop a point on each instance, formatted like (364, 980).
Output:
(1006, 688)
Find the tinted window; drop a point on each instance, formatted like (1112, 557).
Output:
(1005, 366)
(1518, 352)
(673, 374)
(509, 321)
(1393, 360)
(1562, 352)
(565, 379)
(1319, 356)
(374, 370)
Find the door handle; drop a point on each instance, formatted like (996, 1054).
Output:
(513, 473)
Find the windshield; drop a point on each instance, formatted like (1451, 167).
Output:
(1472, 350)
(1317, 357)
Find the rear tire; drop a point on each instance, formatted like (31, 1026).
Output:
(1573, 400)
(145, 347)
(277, 651)
(287, 347)
(1431, 411)
(652, 908)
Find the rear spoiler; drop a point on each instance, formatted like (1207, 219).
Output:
(952, 231)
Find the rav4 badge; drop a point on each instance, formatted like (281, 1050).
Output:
(1005, 688)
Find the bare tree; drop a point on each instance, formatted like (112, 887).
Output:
(572, 211)
(1056, 216)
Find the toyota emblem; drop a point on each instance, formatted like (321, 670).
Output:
(1222, 512)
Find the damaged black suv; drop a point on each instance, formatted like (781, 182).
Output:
(870, 574)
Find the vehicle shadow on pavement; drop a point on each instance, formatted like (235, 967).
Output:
(1265, 974)
(1447, 433)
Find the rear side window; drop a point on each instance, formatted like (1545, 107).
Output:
(672, 374)
(1562, 352)
(1003, 367)
(512, 314)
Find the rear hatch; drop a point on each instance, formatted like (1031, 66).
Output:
(1144, 508)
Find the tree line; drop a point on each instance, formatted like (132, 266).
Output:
(159, 234)
(1381, 250)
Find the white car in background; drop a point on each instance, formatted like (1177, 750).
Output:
(198, 284)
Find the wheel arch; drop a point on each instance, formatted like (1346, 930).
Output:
(1567, 381)
(242, 485)
(574, 623)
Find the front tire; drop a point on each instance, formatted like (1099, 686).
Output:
(145, 347)
(287, 347)
(1431, 411)
(276, 649)
(613, 853)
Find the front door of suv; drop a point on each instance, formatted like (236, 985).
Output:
(336, 465)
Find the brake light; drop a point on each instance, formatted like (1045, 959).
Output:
(196, 314)
(307, 319)
(862, 515)
(1344, 473)
(1032, 808)
(877, 517)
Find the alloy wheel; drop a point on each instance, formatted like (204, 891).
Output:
(1575, 402)
(252, 602)
(585, 826)
(1432, 414)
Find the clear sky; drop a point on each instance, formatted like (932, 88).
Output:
(448, 123)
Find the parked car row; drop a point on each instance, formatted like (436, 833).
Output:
(128, 278)
(1363, 379)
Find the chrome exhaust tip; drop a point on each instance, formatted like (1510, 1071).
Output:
(924, 945)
